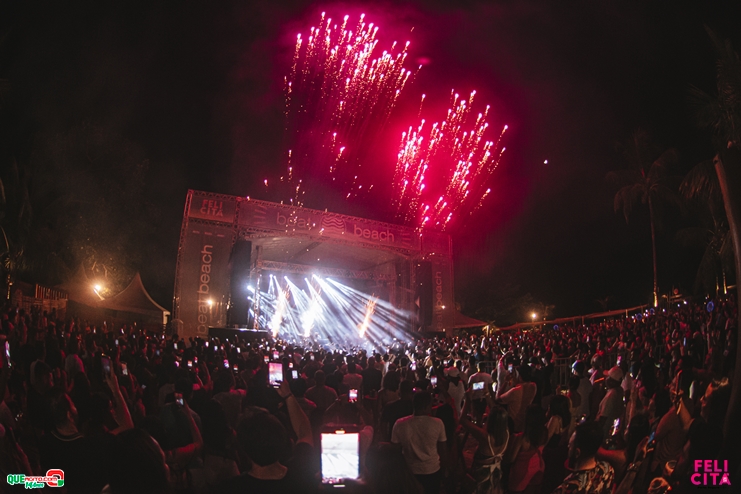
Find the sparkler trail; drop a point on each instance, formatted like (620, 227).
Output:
(370, 308)
(460, 161)
(339, 94)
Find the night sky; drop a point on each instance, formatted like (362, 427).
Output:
(195, 88)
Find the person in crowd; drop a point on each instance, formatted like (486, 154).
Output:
(403, 407)
(456, 387)
(276, 464)
(519, 396)
(219, 447)
(478, 397)
(492, 443)
(422, 439)
(626, 453)
(352, 379)
(299, 388)
(320, 394)
(372, 376)
(389, 473)
(611, 407)
(584, 389)
(526, 453)
(226, 394)
(588, 475)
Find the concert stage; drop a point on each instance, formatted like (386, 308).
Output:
(295, 271)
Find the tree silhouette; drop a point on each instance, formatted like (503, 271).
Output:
(647, 182)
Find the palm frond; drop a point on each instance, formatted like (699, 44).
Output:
(627, 197)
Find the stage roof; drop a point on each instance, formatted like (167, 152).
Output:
(298, 250)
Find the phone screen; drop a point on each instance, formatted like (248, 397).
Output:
(478, 386)
(353, 396)
(615, 426)
(433, 380)
(226, 364)
(124, 369)
(294, 374)
(106, 363)
(7, 354)
(276, 355)
(267, 359)
(275, 373)
(340, 457)
(179, 399)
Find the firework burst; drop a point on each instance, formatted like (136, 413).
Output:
(459, 158)
(339, 94)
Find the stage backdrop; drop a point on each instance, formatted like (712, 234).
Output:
(211, 223)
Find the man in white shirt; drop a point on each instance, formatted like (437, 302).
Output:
(422, 439)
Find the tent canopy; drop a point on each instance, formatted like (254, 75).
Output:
(80, 289)
(135, 299)
(462, 321)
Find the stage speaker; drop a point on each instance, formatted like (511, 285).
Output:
(241, 297)
(423, 293)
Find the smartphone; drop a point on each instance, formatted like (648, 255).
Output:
(619, 360)
(116, 341)
(226, 363)
(267, 359)
(353, 396)
(433, 381)
(290, 365)
(235, 367)
(179, 399)
(615, 426)
(195, 359)
(206, 344)
(106, 363)
(239, 350)
(275, 373)
(340, 456)
(312, 356)
(478, 386)
(124, 369)
(294, 374)
(276, 355)
(510, 368)
(7, 354)
(190, 364)
(157, 352)
(413, 366)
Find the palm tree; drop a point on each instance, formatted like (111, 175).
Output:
(701, 187)
(645, 182)
(722, 114)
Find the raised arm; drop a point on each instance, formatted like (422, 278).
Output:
(299, 420)
(121, 410)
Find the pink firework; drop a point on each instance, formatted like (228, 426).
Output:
(456, 155)
(339, 95)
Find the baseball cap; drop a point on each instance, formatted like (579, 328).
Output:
(615, 373)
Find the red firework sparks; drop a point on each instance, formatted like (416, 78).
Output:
(461, 161)
(339, 94)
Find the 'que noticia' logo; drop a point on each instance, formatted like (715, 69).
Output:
(53, 478)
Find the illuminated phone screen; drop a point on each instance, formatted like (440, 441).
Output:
(275, 373)
(340, 457)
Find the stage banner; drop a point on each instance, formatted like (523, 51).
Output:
(204, 277)
(212, 207)
(443, 303)
(302, 221)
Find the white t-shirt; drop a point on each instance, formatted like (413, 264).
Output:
(478, 378)
(418, 436)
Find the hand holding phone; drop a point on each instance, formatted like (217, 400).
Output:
(353, 396)
(479, 386)
(179, 399)
(275, 374)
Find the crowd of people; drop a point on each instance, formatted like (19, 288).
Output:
(621, 405)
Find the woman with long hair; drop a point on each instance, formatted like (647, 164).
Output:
(493, 440)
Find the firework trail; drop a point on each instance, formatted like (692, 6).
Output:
(456, 155)
(339, 94)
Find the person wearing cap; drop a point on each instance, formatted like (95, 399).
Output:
(611, 407)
